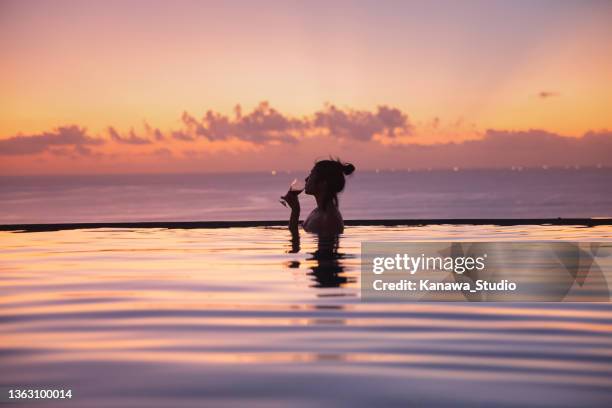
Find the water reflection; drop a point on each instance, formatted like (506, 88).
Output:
(327, 267)
(178, 317)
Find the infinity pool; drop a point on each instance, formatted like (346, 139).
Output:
(220, 317)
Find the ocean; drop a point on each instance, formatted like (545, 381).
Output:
(530, 193)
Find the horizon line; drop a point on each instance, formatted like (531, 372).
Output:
(276, 172)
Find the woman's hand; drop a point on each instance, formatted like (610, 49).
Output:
(291, 198)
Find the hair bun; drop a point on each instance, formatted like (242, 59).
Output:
(348, 168)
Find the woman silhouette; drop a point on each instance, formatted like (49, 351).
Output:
(325, 182)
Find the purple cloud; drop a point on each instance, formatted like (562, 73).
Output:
(547, 94)
(360, 124)
(325, 130)
(264, 124)
(180, 135)
(132, 138)
(506, 148)
(155, 132)
(69, 136)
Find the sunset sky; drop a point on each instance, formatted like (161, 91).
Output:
(153, 86)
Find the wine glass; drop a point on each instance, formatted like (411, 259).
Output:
(296, 187)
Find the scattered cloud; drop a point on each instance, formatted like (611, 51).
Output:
(602, 135)
(263, 125)
(180, 135)
(131, 138)
(547, 94)
(267, 125)
(154, 132)
(66, 136)
(362, 125)
(383, 137)
(507, 148)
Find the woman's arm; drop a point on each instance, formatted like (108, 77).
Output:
(294, 219)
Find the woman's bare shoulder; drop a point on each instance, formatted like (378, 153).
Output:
(310, 221)
(324, 222)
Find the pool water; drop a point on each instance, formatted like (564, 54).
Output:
(242, 316)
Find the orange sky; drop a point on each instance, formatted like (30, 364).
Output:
(454, 70)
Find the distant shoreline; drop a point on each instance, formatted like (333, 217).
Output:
(588, 222)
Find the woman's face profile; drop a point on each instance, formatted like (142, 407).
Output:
(310, 186)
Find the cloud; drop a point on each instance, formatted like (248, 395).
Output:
(180, 135)
(264, 138)
(496, 148)
(83, 150)
(547, 94)
(362, 125)
(67, 136)
(267, 125)
(264, 124)
(600, 136)
(154, 132)
(507, 148)
(132, 138)
(74, 152)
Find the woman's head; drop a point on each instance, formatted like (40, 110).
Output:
(326, 179)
